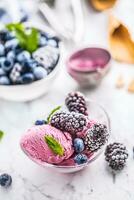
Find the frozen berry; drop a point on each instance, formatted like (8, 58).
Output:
(69, 122)
(80, 159)
(78, 145)
(96, 137)
(76, 102)
(5, 180)
(116, 155)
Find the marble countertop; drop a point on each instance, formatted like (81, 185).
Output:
(32, 182)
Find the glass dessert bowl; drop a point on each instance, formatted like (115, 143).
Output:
(96, 112)
(88, 65)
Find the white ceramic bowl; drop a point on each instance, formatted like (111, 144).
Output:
(33, 90)
(96, 112)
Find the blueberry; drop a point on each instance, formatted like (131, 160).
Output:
(2, 72)
(42, 41)
(18, 50)
(24, 15)
(52, 42)
(80, 159)
(78, 145)
(7, 65)
(40, 122)
(29, 65)
(46, 35)
(3, 34)
(27, 78)
(11, 55)
(4, 80)
(39, 72)
(2, 59)
(24, 55)
(2, 50)
(5, 180)
(11, 45)
(10, 35)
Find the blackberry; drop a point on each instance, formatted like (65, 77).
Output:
(96, 137)
(116, 155)
(76, 102)
(69, 122)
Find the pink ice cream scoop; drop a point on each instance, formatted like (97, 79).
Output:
(34, 145)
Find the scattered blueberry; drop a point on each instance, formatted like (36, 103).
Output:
(78, 145)
(24, 55)
(27, 78)
(40, 122)
(2, 50)
(42, 41)
(80, 159)
(11, 44)
(39, 72)
(5, 180)
(4, 80)
(7, 65)
(52, 43)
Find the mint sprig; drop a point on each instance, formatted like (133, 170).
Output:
(28, 41)
(1, 134)
(54, 145)
(52, 112)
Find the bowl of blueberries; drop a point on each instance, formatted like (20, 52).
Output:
(29, 61)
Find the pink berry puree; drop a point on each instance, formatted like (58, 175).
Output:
(89, 59)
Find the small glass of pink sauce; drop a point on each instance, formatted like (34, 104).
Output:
(89, 65)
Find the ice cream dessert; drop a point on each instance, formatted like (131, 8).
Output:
(68, 137)
(39, 143)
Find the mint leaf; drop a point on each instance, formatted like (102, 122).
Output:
(1, 134)
(28, 41)
(15, 26)
(32, 40)
(52, 112)
(54, 145)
